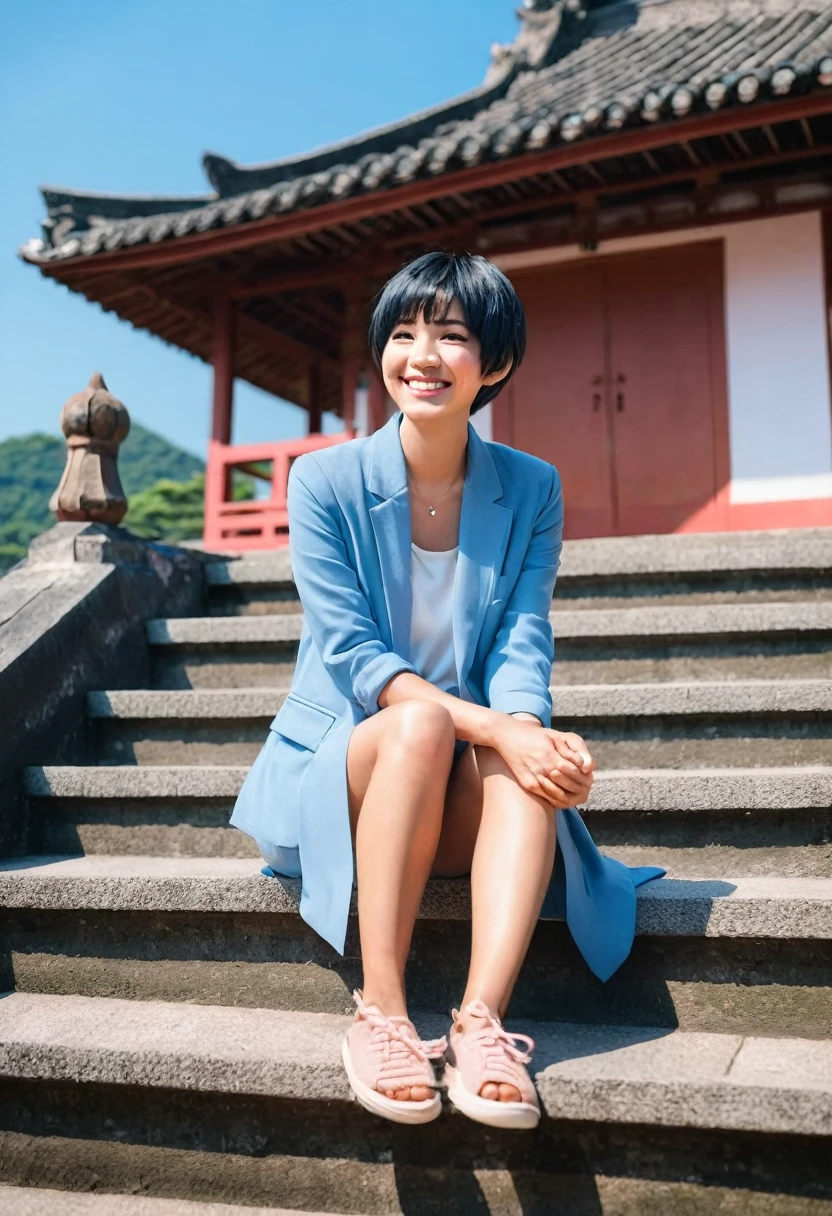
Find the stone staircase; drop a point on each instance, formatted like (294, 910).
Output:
(172, 1028)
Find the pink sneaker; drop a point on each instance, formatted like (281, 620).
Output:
(484, 1052)
(382, 1055)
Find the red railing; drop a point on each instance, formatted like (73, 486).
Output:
(253, 523)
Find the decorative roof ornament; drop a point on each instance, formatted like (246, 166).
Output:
(544, 23)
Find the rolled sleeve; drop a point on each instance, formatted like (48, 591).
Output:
(336, 611)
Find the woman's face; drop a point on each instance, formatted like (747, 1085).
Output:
(432, 369)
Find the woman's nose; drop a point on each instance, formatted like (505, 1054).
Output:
(424, 356)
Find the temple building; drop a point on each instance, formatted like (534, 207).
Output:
(656, 178)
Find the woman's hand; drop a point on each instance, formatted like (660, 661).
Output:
(552, 764)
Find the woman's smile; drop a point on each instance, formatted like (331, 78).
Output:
(422, 387)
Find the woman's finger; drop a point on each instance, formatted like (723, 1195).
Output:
(561, 746)
(548, 790)
(566, 768)
(569, 785)
(578, 748)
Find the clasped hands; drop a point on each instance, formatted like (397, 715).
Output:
(553, 764)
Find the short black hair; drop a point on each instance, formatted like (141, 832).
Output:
(492, 309)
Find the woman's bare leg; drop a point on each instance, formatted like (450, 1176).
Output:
(511, 865)
(397, 771)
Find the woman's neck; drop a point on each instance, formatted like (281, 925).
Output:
(435, 452)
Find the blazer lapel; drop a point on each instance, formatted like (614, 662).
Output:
(390, 520)
(484, 529)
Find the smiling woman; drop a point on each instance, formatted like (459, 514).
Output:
(488, 317)
(416, 738)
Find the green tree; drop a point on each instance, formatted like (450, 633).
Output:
(31, 467)
(174, 510)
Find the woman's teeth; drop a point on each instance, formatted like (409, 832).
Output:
(427, 385)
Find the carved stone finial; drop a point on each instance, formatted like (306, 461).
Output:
(95, 424)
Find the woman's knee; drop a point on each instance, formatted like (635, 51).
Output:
(421, 728)
(490, 763)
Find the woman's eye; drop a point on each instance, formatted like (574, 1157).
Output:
(402, 333)
(456, 337)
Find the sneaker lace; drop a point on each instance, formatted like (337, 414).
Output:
(499, 1046)
(392, 1040)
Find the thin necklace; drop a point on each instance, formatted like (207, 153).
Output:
(431, 508)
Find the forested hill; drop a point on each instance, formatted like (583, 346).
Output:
(31, 467)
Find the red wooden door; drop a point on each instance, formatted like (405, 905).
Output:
(558, 404)
(659, 309)
(623, 387)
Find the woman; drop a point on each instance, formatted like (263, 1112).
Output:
(416, 735)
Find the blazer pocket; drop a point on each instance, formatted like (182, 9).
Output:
(302, 722)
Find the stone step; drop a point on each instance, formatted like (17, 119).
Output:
(739, 698)
(597, 1074)
(594, 646)
(804, 550)
(718, 954)
(248, 1106)
(759, 907)
(38, 1201)
(753, 822)
(616, 624)
(744, 723)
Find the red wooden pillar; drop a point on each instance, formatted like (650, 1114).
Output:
(352, 369)
(375, 401)
(314, 399)
(222, 357)
(217, 486)
(354, 353)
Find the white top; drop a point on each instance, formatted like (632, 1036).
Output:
(432, 578)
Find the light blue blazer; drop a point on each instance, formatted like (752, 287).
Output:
(349, 513)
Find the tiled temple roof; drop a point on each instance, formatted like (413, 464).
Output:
(577, 70)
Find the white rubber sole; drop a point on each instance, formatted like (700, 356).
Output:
(517, 1116)
(389, 1108)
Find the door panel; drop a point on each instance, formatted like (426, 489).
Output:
(559, 396)
(663, 411)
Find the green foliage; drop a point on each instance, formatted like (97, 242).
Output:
(31, 467)
(173, 510)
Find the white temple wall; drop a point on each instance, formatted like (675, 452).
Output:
(780, 417)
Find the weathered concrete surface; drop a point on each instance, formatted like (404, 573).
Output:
(622, 790)
(712, 789)
(274, 566)
(34, 1201)
(773, 657)
(702, 860)
(677, 621)
(617, 1197)
(688, 1080)
(603, 1074)
(750, 907)
(128, 782)
(807, 549)
(728, 986)
(712, 698)
(81, 600)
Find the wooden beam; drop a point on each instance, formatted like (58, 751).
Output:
(584, 198)
(246, 329)
(297, 280)
(314, 397)
(222, 360)
(298, 223)
(540, 239)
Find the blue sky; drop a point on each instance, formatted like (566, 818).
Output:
(125, 95)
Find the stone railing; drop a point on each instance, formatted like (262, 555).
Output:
(73, 613)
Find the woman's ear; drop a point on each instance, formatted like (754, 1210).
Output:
(495, 377)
